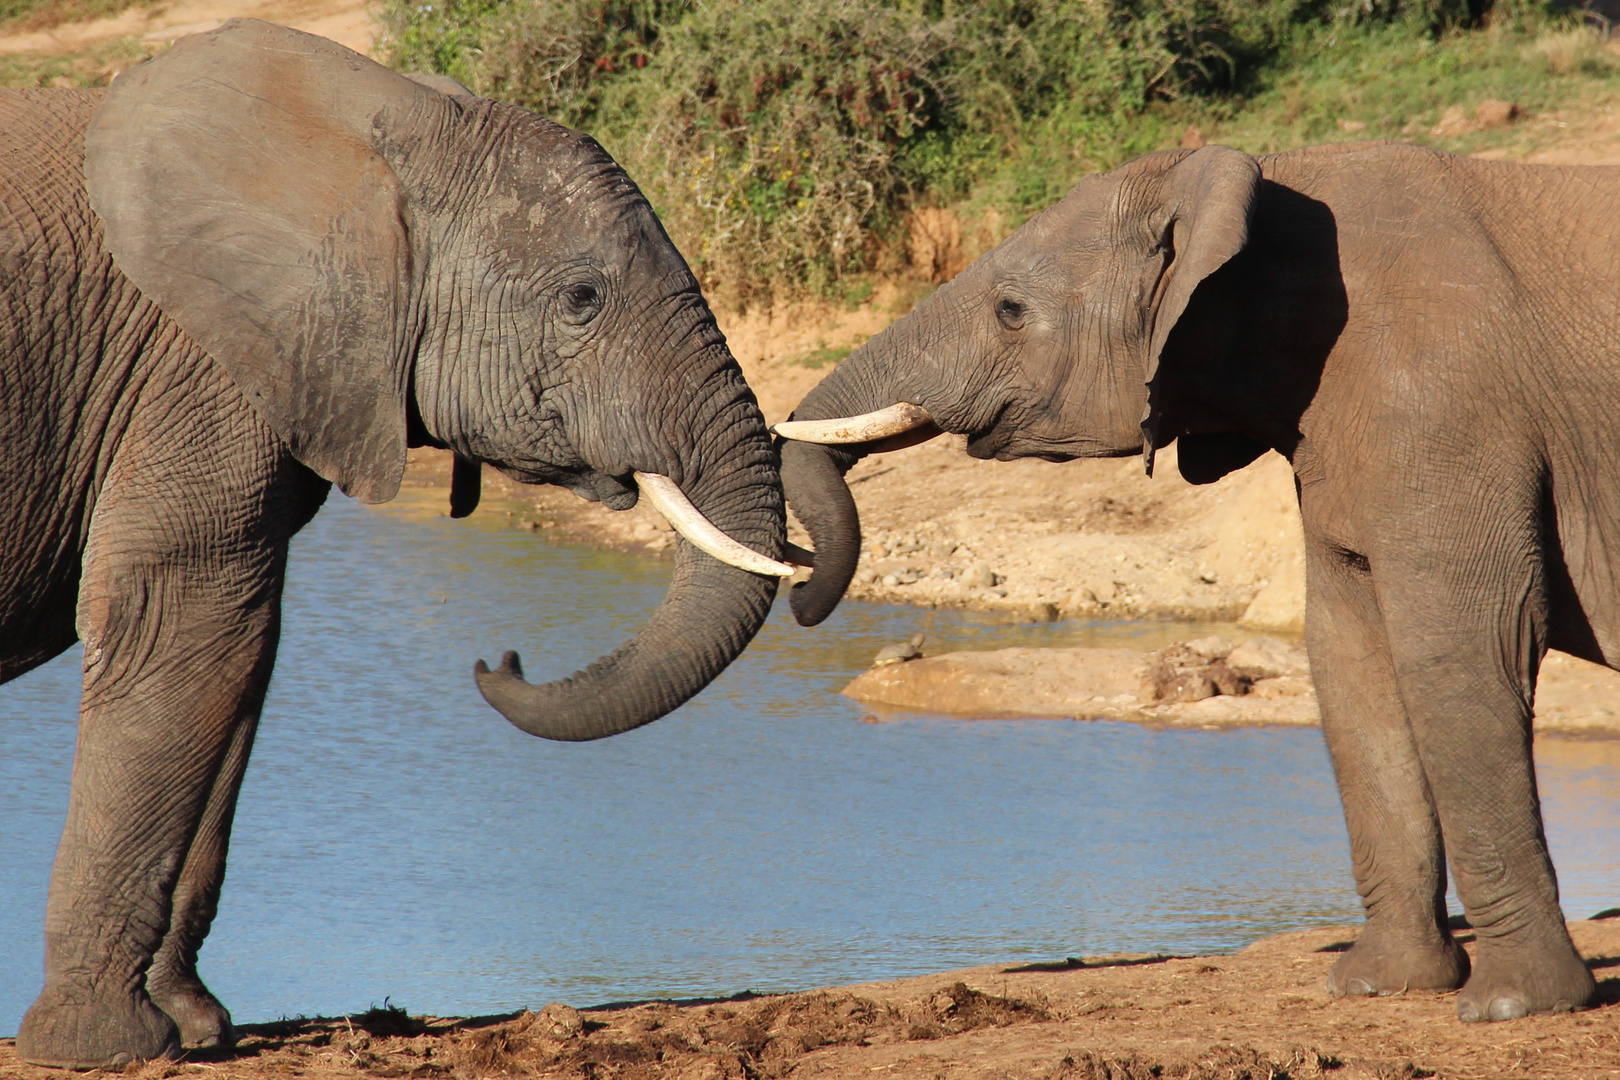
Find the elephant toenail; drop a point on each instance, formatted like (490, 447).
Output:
(1360, 988)
(120, 1059)
(1503, 1008)
(1468, 1012)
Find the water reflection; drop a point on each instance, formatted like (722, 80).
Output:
(397, 837)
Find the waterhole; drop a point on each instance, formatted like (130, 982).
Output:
(396, 838)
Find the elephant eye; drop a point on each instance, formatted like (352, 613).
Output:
(581, 302)
(1010, 312)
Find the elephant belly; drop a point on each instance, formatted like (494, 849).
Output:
(1584, 572)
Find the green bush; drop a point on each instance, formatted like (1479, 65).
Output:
(782, 141)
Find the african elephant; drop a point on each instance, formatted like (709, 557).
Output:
(256, 266)
(1430, 341)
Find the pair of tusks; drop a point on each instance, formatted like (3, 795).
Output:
(668, 499)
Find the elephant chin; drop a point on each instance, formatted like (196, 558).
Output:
(711, 613)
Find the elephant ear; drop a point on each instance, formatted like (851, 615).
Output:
(241, 190)
(1208, 197)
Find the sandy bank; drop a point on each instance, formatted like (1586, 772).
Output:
(1573, 697)
(1260, 1014)
(348, 22)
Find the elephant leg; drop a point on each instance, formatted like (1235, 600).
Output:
(179, 612)
(1467, 629)
(1395, 844)
(172, 981)
(176, 664)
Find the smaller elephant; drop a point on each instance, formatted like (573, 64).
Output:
(1430, 341)
(259, 265)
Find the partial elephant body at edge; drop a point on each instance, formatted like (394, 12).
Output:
(1430, 340)
(259, 264)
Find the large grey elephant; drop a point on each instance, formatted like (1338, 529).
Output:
(256, 266)
(1431, 341)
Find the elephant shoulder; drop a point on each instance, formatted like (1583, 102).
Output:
(41, 168)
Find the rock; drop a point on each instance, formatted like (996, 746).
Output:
(1266, 658)
(1210, 648)
(1282, 688)
(1192, 672)
(900, 654)
(1043, 612)
(978, 576)
(1492, 113)
(557, 1021)
(1281, 604)
(1163, 683)
(1006, 682)
(904, 576)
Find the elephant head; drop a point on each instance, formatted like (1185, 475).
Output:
(1049, 346)
(379, 265)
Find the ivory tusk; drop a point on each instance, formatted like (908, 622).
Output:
(668, 499)
(897, 419)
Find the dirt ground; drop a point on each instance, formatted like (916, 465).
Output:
(1261, 1014)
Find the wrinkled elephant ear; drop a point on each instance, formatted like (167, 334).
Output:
(240, 184)
(1208, 198)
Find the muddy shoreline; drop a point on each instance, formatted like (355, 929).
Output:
(1258, 1014)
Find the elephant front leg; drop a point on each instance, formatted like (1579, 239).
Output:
(177, 659)
(1395, 844)
(172, 981)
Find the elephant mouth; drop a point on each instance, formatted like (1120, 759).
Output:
(592, 485)
(995, 439)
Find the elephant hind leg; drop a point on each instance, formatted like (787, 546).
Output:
(1468, 629)
(172, 981)
(1395, 843)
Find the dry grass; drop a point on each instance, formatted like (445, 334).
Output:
(1570, 51)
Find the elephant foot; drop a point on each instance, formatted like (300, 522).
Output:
(202, 1020)
(1380, 963)
(67, 1032)
(1512, 982)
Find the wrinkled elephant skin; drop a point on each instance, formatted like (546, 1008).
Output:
(255, 266)
(1431, 342)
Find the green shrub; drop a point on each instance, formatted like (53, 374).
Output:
(782, 141)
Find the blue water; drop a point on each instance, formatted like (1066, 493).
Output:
(397, 837)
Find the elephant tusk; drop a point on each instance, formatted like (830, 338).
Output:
(668, 499)
(897, 419)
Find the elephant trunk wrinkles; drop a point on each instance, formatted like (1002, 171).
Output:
(813, 475)
(710, 614)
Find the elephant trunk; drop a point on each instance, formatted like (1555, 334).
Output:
(710, 614)
(813, 472)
